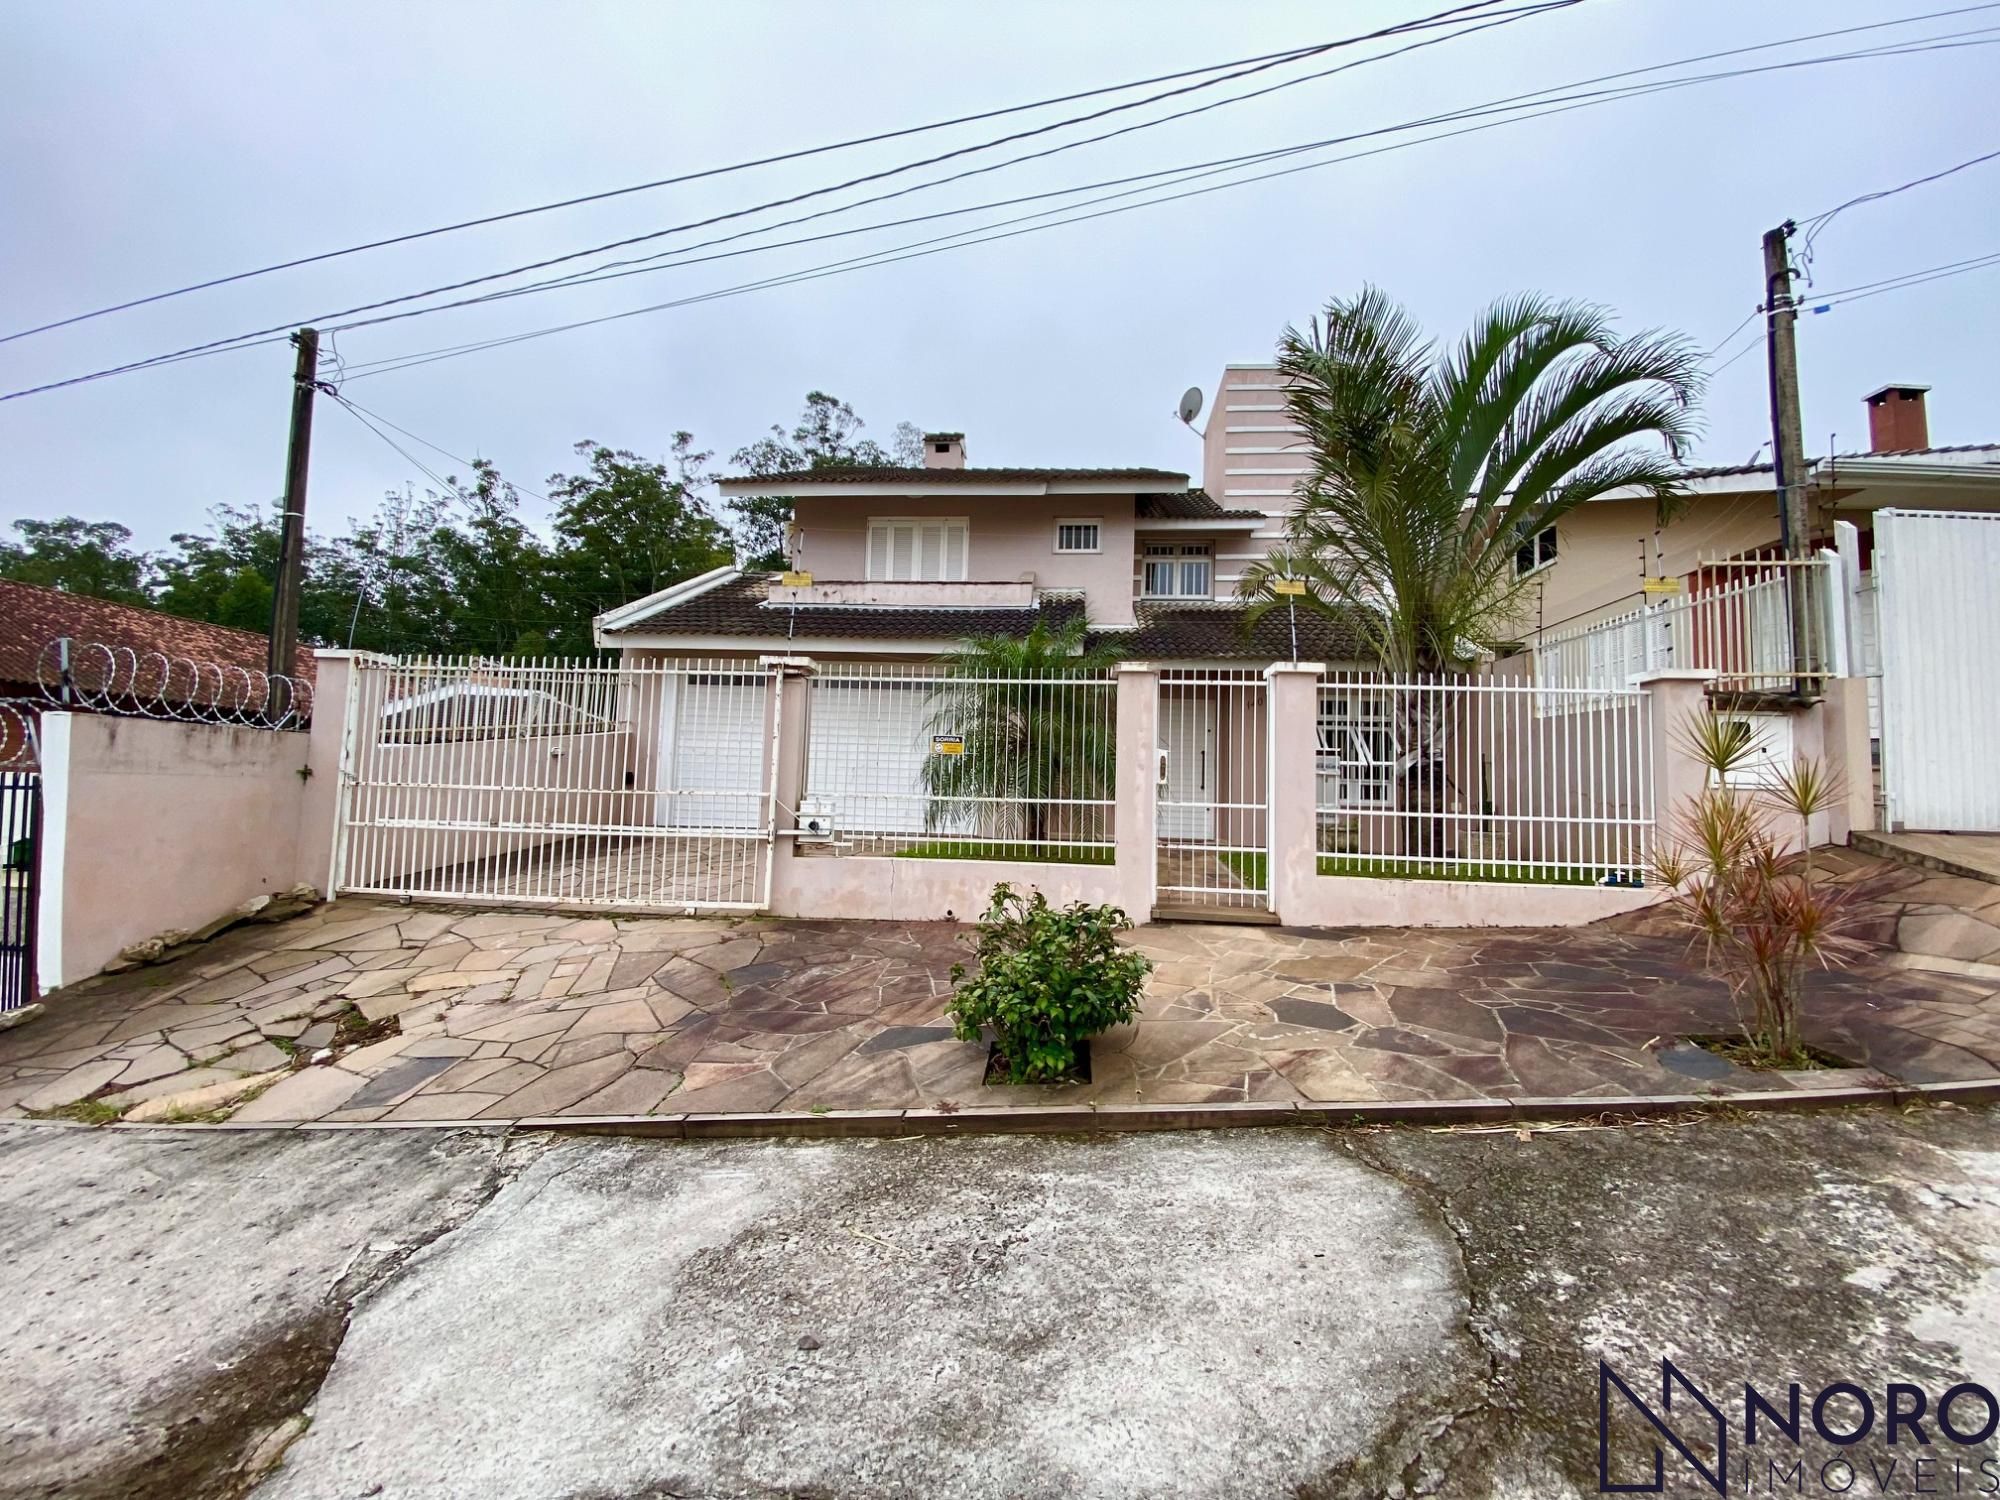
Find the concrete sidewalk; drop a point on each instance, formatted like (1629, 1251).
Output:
(1243, 1313)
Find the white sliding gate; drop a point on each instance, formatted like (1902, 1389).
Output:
(1938, 624)
(559, 782)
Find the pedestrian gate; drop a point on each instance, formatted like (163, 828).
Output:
(643, 785)
(1938, 636)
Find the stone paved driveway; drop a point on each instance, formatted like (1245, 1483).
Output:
(502, 1015)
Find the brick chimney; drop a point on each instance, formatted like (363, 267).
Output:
(944, 450)
(1896, 420)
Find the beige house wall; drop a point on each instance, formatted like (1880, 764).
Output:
(1008, 538)
(1604, 550)
(151, 826)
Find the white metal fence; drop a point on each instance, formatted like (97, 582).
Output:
(1213, 812)
(1734, 618)
(1473, 778)
(1939, 637)
(931, 761)
(544, 782)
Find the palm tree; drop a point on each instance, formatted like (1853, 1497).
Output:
(1430, 470)
(1030, 736)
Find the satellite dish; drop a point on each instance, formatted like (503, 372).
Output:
(1191, 404)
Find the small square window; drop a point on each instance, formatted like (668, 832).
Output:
(1536, 550)
(1077, 536)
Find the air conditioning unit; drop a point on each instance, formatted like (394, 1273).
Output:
(815, 821)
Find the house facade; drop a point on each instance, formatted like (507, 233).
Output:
(891, 563)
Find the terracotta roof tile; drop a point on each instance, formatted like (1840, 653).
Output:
(889, 474)
(32, 616)
(737, 607)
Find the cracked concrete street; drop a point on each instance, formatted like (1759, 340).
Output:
(1253, 1313)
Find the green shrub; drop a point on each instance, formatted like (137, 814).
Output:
(1048, 981)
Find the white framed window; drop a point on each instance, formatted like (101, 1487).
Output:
(917, 549)
(1536, 551)
(1079, 534)
(1176, 570)
(1357, 750)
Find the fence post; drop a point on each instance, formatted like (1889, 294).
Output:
(1135, 821)
(321, 798)
(1673, 700)
(1291, 747)
(50, 874)
(789, 705)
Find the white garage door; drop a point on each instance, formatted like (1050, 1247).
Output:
(715, 773)
(868, 743)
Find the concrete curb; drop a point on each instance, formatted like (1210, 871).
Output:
(1084, 1119)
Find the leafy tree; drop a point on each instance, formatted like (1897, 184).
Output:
(627, 527)
(1028, 739)
(825, 437)
(77, 556)
(227, 575)
(1429, 471)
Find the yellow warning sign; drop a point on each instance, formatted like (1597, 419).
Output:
(1288, 586)
(1662, 585)
(947, 744)
(796, 580)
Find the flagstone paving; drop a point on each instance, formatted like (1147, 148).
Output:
(505, 1015)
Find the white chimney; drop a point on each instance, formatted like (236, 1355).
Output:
(944, 450)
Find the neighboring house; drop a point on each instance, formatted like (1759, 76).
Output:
(32, 618)
(1594, 562)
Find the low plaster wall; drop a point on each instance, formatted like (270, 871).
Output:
(848, 888)
(1359, 901)
(150, 825)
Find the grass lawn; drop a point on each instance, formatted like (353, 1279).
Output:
(1047, 854)
(1250, 869)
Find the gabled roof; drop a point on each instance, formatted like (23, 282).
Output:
(32, 616)
(969, 478)
(737, 606)
(1203, 631)
(1189, 505)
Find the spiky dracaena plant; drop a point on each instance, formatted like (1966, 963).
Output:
(1429, 469)
(1035, 740)
(1739, 864)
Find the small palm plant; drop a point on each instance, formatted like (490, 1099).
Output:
(1744, 884)
(1431, 468)
(1034, 743)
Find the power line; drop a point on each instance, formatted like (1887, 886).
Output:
(359, 410)
(1441, 18)
(1903, 282)
(1818, 222)
(1516, 102)
(911, 252)
(643, 187)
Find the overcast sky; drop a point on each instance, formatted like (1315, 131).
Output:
(146, 146)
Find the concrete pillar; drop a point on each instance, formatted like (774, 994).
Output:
(51, 872)
(1849, 755)
(1291, 784)
(1135, 831)
(1677, 699)
(327, 744)
(786, 735)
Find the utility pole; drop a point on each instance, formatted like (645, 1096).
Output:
(1787, 431)
(292, 528)
(1787, 434)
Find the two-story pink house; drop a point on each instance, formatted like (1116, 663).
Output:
(907, 562)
